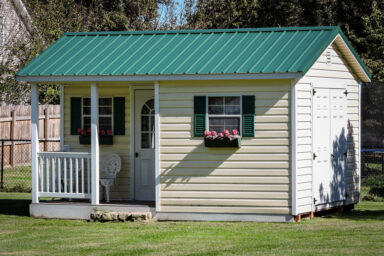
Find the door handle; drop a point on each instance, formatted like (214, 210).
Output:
(136, 154)
(314, 156)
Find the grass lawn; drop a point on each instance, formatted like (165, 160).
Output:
(358, 232)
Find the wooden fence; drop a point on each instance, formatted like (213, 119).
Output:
(15, 126)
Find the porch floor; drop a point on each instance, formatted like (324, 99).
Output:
(82, 209)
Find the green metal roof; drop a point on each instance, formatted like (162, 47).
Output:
(185, 52)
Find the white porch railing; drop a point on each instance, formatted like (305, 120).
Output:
(64, 174)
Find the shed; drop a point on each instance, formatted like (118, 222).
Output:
(292, 94)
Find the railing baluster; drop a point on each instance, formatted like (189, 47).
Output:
(52, 169)
(65, 175)
(70, 176)
(88, 176)
(82, 175)
(58, 159)
(41, 173)
(47, 173)
(77, 174)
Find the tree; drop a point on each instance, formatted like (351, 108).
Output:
(52, 18)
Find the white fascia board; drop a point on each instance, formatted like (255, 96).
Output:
(353, 56)
(141, 78)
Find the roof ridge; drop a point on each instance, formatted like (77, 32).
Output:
(205, 31)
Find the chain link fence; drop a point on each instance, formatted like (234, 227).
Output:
(15, 163)
(372, 171)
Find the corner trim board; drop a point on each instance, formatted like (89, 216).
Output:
(293, 147)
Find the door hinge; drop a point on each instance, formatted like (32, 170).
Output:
(314, 200)
(313, 91)
(136, 154)
(346, 93)
(314, 156)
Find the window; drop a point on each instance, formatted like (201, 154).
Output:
(224, 113)
(148, 125)
(105, 113)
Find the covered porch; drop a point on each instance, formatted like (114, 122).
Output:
(66, 184)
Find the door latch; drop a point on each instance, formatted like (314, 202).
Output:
(136, 154)
(314, 156)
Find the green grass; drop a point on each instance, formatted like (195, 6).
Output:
(359, 232)
(17, 179)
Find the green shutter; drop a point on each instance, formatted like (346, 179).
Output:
(248, 116)
(75, 115)
(119, 116)
(199, 115)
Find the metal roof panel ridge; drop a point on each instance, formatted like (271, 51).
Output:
(205, 31)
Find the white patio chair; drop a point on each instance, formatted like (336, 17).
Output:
(109, 169)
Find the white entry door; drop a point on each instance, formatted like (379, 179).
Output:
(329, 145)
(144, 145)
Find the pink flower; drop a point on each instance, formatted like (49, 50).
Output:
(89, 130)
(226, 132)
(213, 133)
(109, 132)
(83, 132)
(102, 132)
(207, 133)
(79, 130)
(228, 136)
(220, 135)
(235, 132)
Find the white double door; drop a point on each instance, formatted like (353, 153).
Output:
(329, 145)
(144, 136)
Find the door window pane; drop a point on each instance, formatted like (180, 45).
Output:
(148, 125)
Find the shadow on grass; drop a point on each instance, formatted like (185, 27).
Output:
(363, 215)
(18, 207)
(357, 215)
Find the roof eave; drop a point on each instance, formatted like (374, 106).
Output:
(142, 78)
(351, 56)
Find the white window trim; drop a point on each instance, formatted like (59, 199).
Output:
(207, 116)
(84, 115)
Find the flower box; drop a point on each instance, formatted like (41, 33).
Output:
(104, 140)
(221, 143)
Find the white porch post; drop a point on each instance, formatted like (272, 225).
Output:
(35, 142)
(95, 143)
(61, 117)
(157, 147)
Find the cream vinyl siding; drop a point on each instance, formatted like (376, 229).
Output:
(322, 74)
(121, 143)
(252, 179)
